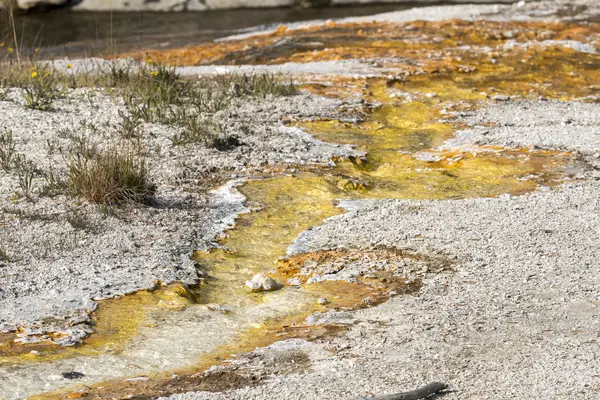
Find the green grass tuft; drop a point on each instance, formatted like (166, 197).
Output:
(112, 177)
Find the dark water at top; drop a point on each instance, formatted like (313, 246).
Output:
(73, 33)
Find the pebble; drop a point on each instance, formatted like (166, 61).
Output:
(322, 301)
(263, 283)
(72, 375)
(500, 98)
(427, 157)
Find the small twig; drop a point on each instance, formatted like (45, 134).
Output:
(421, 393)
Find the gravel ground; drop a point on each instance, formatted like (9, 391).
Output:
(64, 252)
(518, 317)
(547, 124)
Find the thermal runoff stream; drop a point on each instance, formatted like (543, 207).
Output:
(142, 339)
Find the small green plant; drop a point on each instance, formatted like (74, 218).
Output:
(151, 92)
(40, 90)
(117, 76)
(110, 211)
(26, 172)
(3, 93)
(81, 145)
(4, 254)
(54, 186)
(52, 145)
(167, 84)
(81, 222)
(88, 126)
(129, 126)
(112, 177)
(7, 150)
(209, 100)
(28, 215)
(146, 109)
(197, 130)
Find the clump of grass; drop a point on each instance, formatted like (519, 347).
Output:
(116, 76)
(208, 100)
(260, 85)
(206, 132)
(112, 177)
(54, 185)
(80, 142)
(40, 85)
(147, 109)
(10, 160)
(166, 85)
(151, 93)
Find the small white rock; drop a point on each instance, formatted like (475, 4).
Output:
(263, 283)
(427, 157)
(322, 301)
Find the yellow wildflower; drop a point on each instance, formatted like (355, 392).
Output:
(34, 74)
(154, 73)
(10, 49)
(69, 66)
